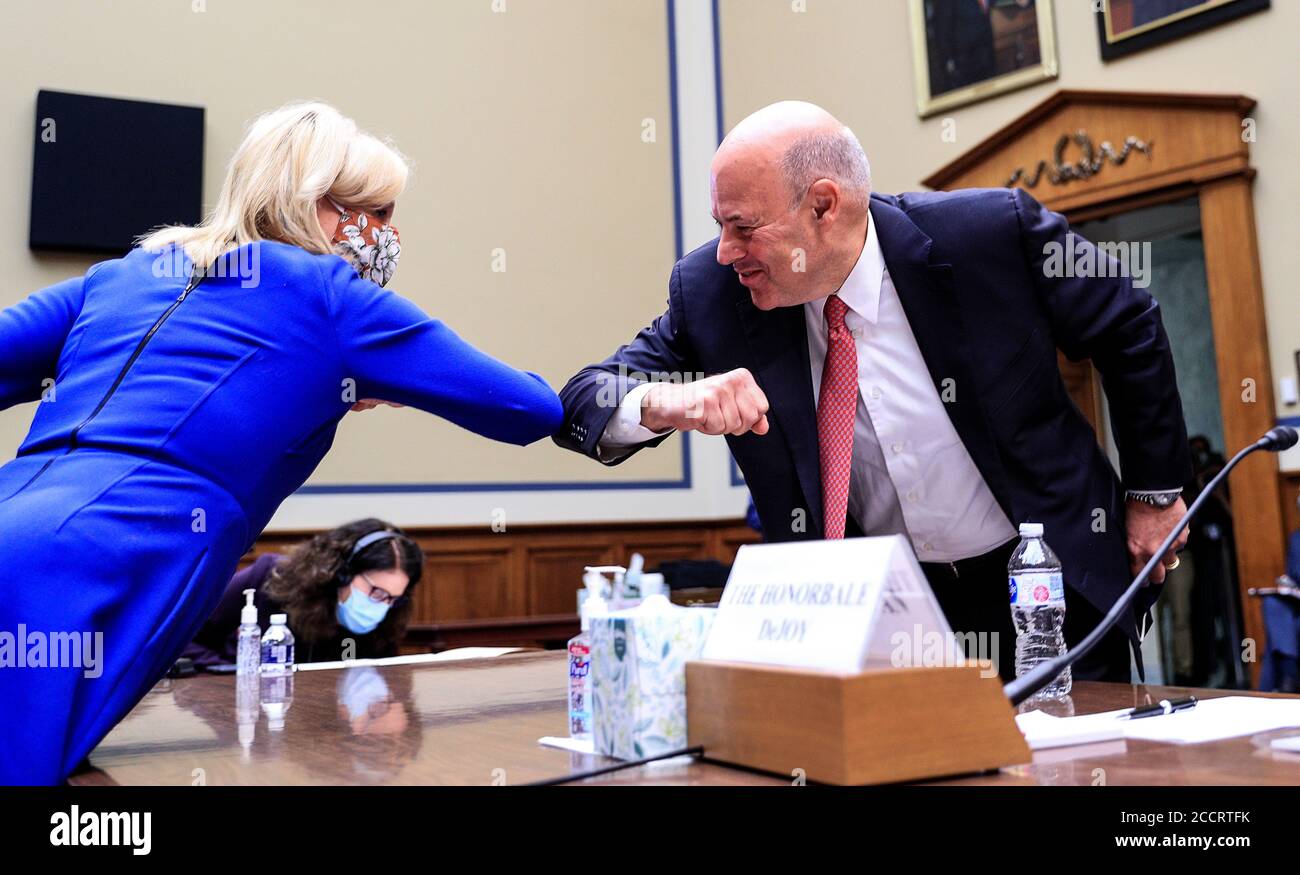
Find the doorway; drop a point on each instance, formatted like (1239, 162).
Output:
(1198, 621)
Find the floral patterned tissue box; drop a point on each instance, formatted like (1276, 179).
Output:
(638, 664)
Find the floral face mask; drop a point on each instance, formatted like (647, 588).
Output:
(369, 245)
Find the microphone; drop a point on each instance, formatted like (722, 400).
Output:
(1278, 439)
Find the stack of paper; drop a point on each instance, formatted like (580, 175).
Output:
(1210, 720)
(1042, 730)
(1213, 719)
(412, 658)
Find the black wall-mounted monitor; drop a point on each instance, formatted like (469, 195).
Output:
(108, 170)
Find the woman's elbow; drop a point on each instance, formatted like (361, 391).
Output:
(542, 410)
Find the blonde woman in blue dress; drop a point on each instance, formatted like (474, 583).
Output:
(182, 384)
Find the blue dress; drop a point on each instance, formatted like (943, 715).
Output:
(155, 460)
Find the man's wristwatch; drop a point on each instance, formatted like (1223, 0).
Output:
(1159, 498)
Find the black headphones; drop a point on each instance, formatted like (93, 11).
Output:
(345, 574)
(366, 540)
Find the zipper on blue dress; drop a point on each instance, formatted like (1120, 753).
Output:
(194, 282)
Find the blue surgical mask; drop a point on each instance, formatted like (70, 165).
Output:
(361, 688)
(360, 613)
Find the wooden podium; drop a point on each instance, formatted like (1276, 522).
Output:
(874, 727)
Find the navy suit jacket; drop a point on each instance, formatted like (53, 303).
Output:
(969, 267)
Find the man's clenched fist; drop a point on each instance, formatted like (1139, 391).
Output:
(729, 403)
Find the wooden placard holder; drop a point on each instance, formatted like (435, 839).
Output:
(874, 727)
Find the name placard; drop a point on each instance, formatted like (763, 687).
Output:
(835, 605)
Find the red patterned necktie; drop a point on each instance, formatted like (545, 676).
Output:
(837, 407)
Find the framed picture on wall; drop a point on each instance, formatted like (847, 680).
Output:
(969, 50)
(1128, 26)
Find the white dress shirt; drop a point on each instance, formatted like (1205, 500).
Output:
(948, 509)
(902, 435)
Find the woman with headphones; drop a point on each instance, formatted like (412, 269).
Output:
(347, 593)
(200, 380)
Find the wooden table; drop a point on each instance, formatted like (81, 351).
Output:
(478, 721)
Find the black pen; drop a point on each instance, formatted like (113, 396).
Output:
(1164, 706)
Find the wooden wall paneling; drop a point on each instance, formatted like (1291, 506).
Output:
(554, 573)
(468, 586)
(669, 546)
(728, 541)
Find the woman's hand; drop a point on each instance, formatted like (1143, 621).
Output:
(371, 404)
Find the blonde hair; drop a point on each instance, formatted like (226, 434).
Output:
(290, 158)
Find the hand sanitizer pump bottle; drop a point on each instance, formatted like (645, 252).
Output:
(248, 652)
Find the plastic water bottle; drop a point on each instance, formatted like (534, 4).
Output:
(276, 695)
(277, 647)
(1038, 607)
(248, 651)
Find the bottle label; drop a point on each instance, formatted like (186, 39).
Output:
(278, 654)
(579, 661)
(1036, 588)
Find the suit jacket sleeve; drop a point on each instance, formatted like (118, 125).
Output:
(398, 353)
(1118, 326)
(661, 351)
(32, 333)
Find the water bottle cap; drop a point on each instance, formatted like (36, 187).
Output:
(281, 619)
(1027, 530)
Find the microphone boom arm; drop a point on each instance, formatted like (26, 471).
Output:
(1024, 687)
